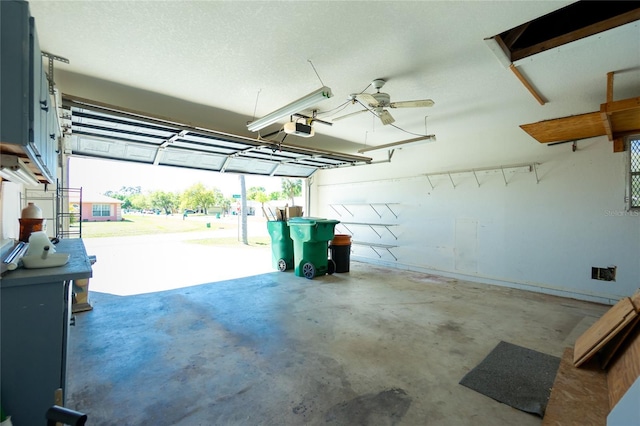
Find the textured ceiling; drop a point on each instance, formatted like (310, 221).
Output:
(246, 57)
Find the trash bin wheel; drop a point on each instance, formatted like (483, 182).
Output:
(282, 265)
(308, 270)
(331, 267)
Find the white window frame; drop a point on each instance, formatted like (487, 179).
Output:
(98, 210)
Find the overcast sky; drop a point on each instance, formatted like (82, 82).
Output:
(99, 176)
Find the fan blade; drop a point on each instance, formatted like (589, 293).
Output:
(349, 115)
(386, 117)
(412, 104)
(367, 99)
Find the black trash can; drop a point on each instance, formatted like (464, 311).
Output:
(340, 248)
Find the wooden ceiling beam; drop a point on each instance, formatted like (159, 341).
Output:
(587, 31)
(514, 34)
(610, 86)
(527, 85)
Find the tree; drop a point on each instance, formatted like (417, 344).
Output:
(258, 193)
(201, 198)
(274, 196)
(124, 192)
(226, 204)
(166, 201)
(139, 202)
(126, 195)
(292, 188)
(251, 192)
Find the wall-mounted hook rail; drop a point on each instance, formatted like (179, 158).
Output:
(514, 168)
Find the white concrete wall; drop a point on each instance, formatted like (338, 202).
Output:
(544, 236)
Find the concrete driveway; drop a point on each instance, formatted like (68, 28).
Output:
(149, 263)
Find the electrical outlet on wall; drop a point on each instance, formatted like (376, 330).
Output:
(604, 274)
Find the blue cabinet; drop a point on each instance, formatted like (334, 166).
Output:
(35, 313)
(27, 114)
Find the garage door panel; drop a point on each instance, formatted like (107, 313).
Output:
(192, 160)
(104, 131)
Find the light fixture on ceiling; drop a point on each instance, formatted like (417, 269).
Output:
(15, 170)
(294, 107)
(401, 144)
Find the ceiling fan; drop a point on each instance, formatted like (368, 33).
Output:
(377, 102)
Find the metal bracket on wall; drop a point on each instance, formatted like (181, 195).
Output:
(51, 57)
(372, 226)
(372, 205)
(383, 204)
(341, 205)
(574, 144)
(373, 247)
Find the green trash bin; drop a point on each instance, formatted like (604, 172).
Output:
(311, 238)
(281, 245)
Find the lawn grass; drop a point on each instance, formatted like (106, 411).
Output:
(141, 224)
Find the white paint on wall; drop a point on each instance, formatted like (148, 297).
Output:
(542, 232)
(466, 245)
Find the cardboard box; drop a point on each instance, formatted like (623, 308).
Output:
(293, 211)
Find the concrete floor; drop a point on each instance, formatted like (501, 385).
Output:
(374, 346)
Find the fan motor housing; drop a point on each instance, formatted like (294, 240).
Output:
(383, 98)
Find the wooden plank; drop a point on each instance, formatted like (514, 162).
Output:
(625, 369)
(610, 86)
(625, 122)
(635, 300)
(526, 84)
(579, 395)
(629, 104)
(615, 119)
(603, 330)
(608, 127)
(618, 145)
(566, 128)
(611, 348)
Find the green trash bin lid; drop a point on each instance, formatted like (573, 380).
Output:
(310, 221)
(312, 229)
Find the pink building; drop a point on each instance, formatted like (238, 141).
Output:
(97, 208)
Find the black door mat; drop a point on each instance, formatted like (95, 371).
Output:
(516, 376)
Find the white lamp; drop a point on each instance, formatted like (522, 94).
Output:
(296, 106)
(401, 144)
(13, 169)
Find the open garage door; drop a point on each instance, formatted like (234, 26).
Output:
(107, 132)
